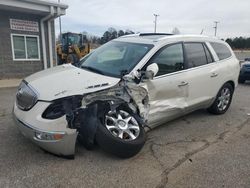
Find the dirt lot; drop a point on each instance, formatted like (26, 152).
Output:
(198, 150)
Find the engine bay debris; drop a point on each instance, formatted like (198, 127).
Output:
(87, 116)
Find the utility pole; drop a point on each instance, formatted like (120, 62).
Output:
(60, 25)
(155, 15)
(201, 31)
(215, 27)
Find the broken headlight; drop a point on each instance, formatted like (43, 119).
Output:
(59, 107)
(26, 96)
(48, 136)
(54, 111)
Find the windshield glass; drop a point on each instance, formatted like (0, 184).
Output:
(70, 39)
(115, 58)
(73, 39)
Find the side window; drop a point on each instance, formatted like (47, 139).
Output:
(221, 50)
(169, 59)
(195, 54)
(208, 54)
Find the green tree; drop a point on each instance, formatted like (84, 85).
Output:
(128, 32)
(112, 33)
(120, 33)
(239, 42)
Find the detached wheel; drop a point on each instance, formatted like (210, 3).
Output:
(223, 100)
(121, 133)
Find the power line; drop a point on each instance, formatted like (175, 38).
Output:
(155, 15)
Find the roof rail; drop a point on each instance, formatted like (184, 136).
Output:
(130, 35)
(148, 34)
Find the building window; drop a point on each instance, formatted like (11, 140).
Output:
(25, 47)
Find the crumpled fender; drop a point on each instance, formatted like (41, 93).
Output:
(86, 118)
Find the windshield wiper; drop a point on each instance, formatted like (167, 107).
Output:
(92, 69)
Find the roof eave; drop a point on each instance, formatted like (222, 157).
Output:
(35, 6)
(48, 3)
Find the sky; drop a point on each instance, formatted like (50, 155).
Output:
(189, 16)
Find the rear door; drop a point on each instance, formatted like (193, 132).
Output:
(227, 64)
(202, 75)
(168, 89)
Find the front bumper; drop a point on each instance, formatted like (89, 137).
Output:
(56, 137)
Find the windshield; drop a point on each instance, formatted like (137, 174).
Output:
(70, 39)
(115, 58)
(73, 39)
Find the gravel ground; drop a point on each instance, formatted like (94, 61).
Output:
(198, 150)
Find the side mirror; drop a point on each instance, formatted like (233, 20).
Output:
(151, 71)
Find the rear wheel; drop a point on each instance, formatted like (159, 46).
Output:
(121, 133)
(223, 100)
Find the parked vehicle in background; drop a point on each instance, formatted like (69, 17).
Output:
(245, 71)
(124, 87)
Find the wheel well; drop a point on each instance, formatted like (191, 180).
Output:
(232, 83)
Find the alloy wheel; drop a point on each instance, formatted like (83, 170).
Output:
(224, 99)
(122, 125)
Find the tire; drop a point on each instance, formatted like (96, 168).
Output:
(72, 59)
(120, 145)
(241, 80)
(88, 145)
(223, 100)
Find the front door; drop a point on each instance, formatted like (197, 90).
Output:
(168, 89)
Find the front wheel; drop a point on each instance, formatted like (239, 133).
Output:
(223, 100)
(121, 133)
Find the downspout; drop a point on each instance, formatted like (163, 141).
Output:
(58, 14)
(43, 36)
(50, 38)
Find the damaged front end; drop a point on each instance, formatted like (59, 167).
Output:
(84, 113)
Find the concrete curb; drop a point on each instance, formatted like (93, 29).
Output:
(10, 83)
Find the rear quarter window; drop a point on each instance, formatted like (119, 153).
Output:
(221, 50)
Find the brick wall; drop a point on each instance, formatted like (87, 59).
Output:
(17, 69)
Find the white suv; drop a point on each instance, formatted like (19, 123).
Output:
(121, 89)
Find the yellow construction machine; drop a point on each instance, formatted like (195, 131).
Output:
(71, 43)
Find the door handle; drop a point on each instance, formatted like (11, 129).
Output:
(183, 83)
(213, 75)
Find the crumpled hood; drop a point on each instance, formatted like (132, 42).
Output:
(68, 80)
